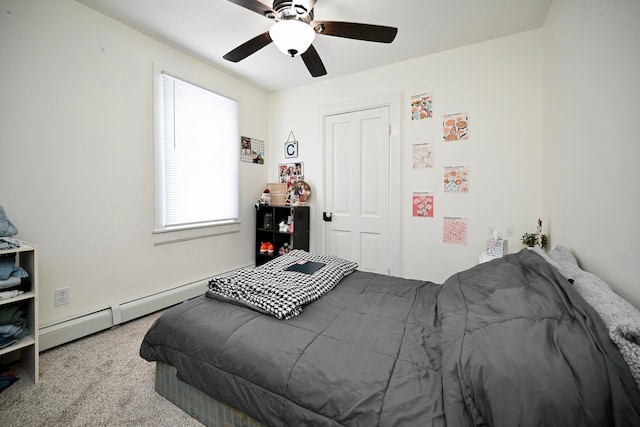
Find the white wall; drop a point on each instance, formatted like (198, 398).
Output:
(76, 149)
(591, 146)
(499, 83)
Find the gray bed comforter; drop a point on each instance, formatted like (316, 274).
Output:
(505, 343)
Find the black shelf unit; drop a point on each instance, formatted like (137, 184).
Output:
(297, 239)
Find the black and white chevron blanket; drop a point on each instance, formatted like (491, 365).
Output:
(271, 289)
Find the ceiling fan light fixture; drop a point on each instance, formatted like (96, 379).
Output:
(292, 37)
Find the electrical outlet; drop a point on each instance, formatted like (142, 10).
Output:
(62, 296)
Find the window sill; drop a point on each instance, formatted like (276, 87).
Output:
(191, 232)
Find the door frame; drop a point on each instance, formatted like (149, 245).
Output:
(394, 102)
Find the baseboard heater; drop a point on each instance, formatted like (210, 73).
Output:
(70, 330)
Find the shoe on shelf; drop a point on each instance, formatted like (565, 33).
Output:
(270, 249)
(263, 247)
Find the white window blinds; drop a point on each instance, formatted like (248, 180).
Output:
(201, 155)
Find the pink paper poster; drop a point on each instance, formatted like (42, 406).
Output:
(421, 106)
(454, 230)
(423, 205)
(422, 157)
(456, 179)
(455, 127)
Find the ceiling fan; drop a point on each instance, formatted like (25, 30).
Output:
(294, 30)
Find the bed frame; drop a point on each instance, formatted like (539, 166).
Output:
(194, 402)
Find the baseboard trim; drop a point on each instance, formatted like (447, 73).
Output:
(70, 330)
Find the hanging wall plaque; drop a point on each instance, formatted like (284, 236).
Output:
(291, 147)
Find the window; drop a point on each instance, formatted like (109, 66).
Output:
(197, 161)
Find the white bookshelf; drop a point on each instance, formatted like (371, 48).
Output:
(26, 349)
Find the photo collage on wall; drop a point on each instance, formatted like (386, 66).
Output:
(455, 127)
(290, 174)
(251, 150)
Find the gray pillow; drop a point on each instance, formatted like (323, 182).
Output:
(566, 273)
(621, 318)
(563, 256)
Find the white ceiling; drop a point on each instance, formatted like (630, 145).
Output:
(210, 28)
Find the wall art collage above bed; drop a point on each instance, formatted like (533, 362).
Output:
(455, 178)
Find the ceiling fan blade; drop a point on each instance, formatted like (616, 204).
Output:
(255, 6)
(313, 62)
(248, 48)
(353, 30)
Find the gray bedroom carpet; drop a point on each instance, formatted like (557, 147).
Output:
(95, 381)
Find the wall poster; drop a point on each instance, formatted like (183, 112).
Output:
(421, 106)
(455, 127)
(456, 179)
(290, 173)
(422, 204)
(251, 150)
(422, 156)
(454, 230)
